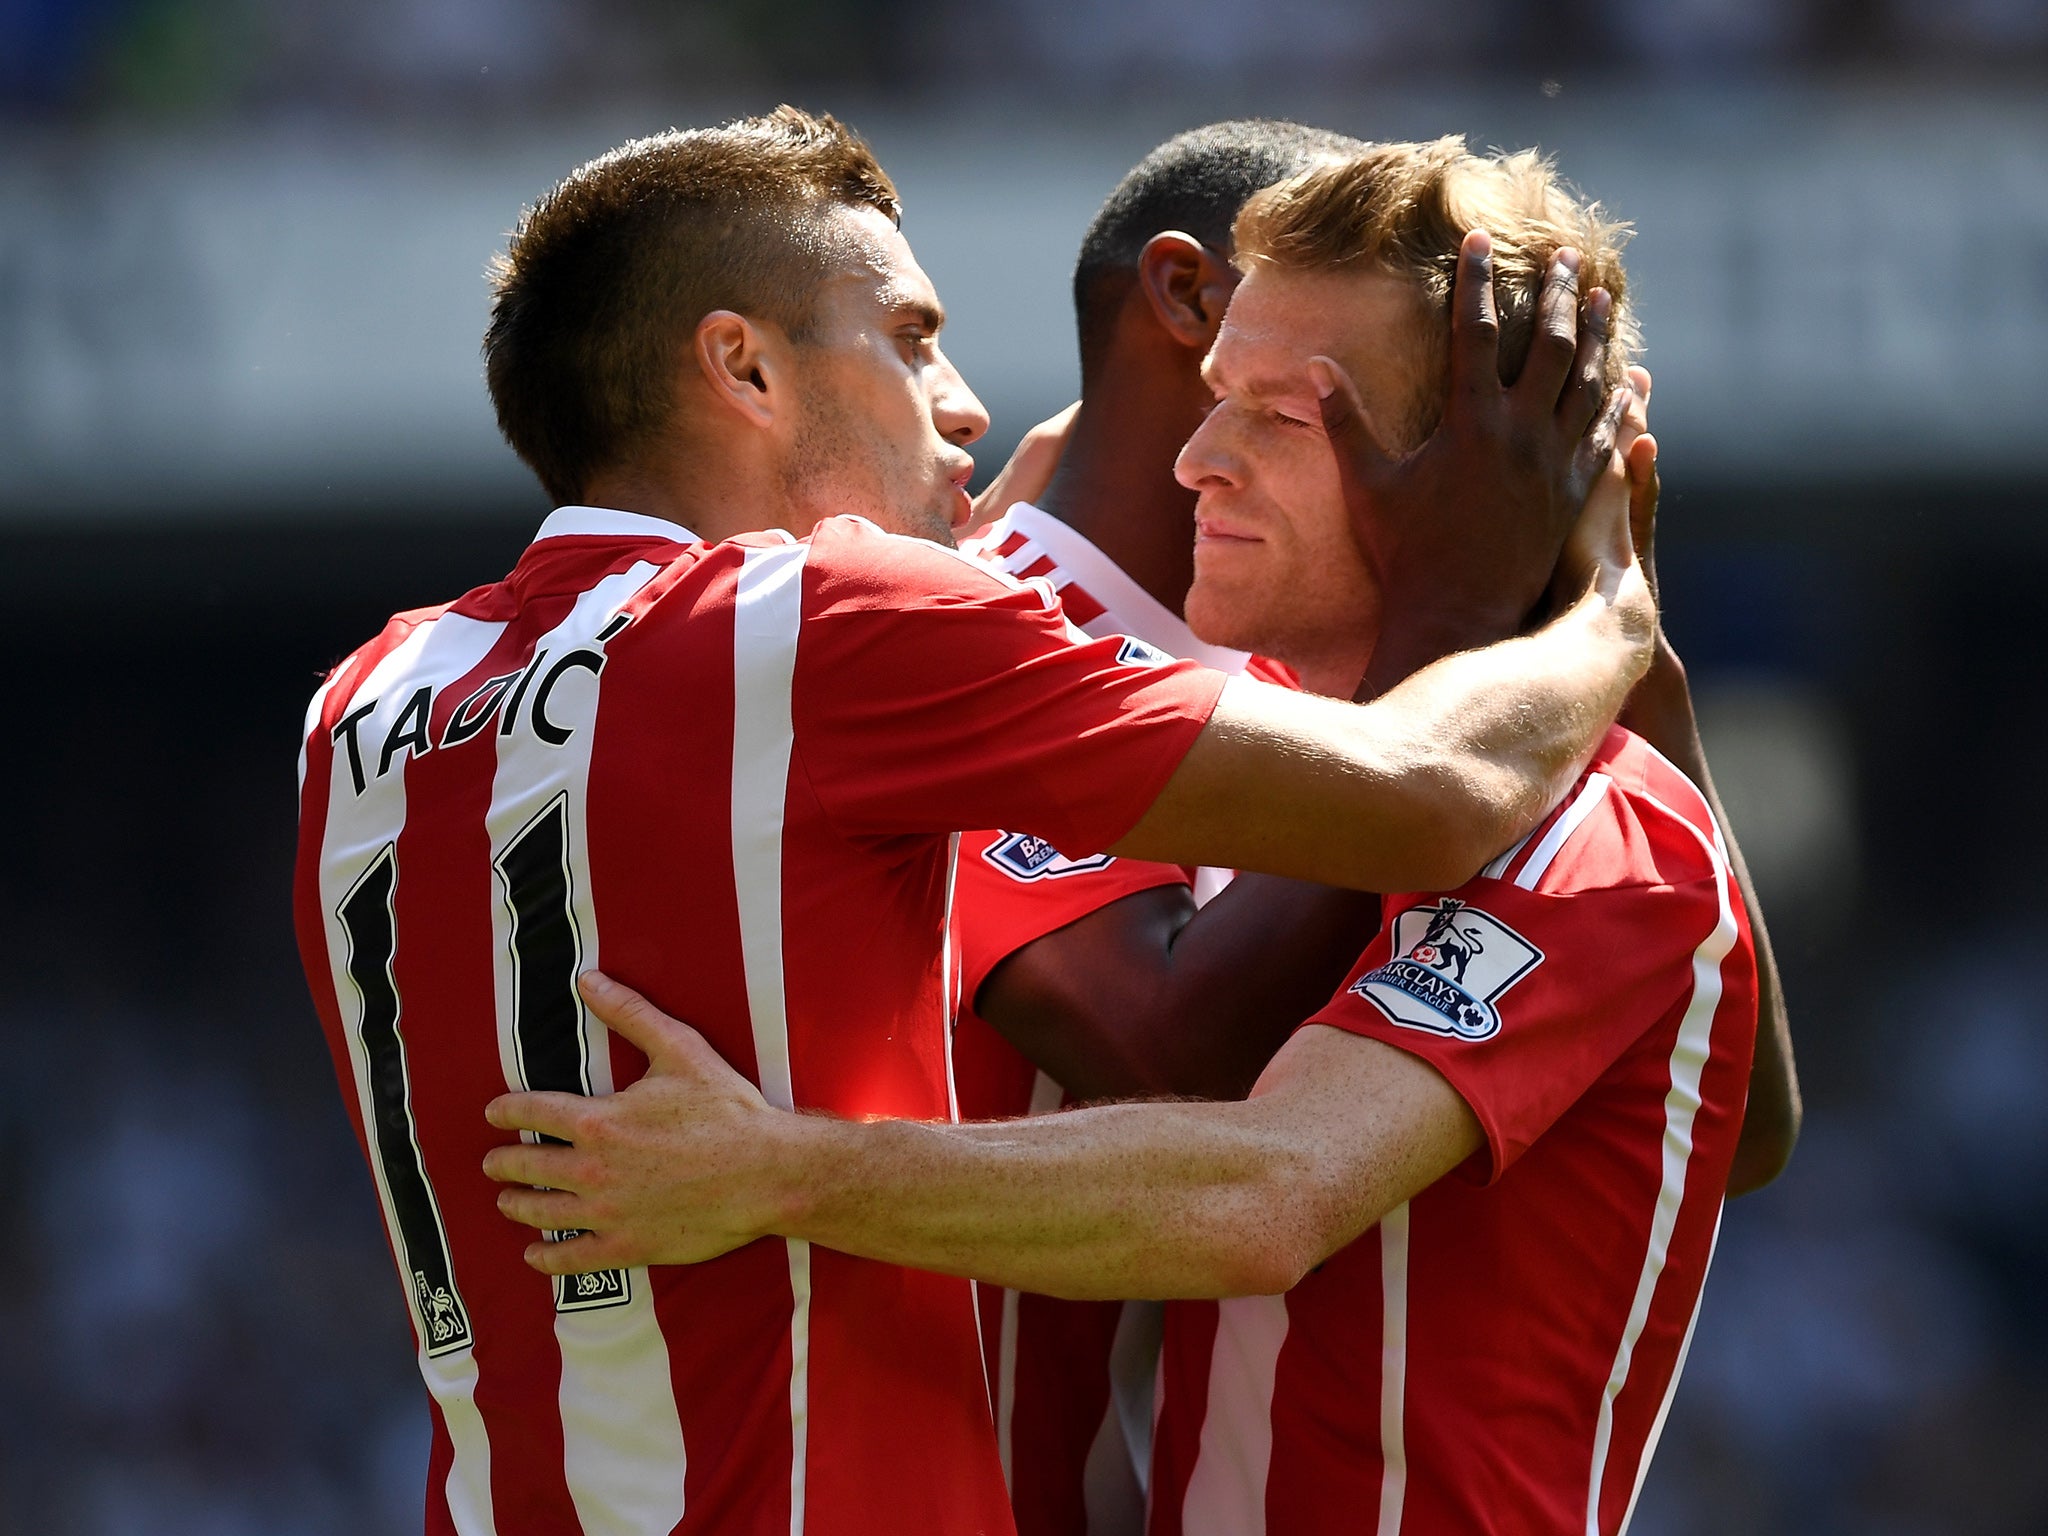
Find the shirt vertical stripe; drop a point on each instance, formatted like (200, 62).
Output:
(767, 616)
(1681, 1104)
(1393, 1368)
(1670, 1387)
(1561, 830)
(358, 827)
(1226, 1493)
(624, 1461)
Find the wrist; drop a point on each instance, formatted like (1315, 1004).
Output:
(796, 1163)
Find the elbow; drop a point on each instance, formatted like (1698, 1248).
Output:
(1289, 1225)
(1456, 837)
(1764, 1152)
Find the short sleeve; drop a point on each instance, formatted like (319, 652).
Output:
(932, 692)
(1524, 998)
(1014, 888)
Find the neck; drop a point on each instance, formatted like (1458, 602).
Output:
(1334, 674)
(1115, 485)
(703, 496)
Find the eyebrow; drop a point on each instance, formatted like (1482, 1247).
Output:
(929, 313)
(1259, 384)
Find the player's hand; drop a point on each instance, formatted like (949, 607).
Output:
(1660, 708)
(1600, 555)
(1463, 533)
(671, 1170)
(1029, 471)
(1638, 450)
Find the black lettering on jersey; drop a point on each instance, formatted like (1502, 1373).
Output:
(409, 730)
(366, 916)
(556, 735)
(474, 713)
(548, 1036)
(511, 716)
(345, 730)
(619, 622)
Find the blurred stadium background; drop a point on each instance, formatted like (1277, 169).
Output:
(242, 419)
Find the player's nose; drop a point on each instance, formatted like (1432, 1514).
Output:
(1204, 462)
(956, 410)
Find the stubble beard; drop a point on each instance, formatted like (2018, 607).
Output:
(837, 467)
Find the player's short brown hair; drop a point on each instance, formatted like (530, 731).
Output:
(1406, 208)
(607, 276)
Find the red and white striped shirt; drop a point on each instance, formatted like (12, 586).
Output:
(1498, 1354)
(727, 775)
(1072, 1379)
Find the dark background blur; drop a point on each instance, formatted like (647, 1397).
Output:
(242, 419)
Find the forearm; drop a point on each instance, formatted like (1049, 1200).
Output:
(1151, 1200)
(1661, 712)
(1151, 996)
(1514, 724)
(1417, 790)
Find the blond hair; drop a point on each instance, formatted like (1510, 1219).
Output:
(1404, 209)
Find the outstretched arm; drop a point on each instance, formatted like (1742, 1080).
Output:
(1417, 790)
(1117, 1201)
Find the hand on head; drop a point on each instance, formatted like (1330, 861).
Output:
(1463, 533)
(1607, 551)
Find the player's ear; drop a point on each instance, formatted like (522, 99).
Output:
(1188, 286)
(741, 363)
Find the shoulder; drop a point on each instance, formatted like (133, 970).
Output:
(1632, 820)
(853, 564)
(346, 674)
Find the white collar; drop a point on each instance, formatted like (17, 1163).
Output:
(608, 522)
(1130, 607)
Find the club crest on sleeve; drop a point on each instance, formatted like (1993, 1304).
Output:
(1136, 653)
(1452, 964)
(1024, 857)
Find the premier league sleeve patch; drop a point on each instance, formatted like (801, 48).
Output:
(1452, 965)
(1024, 857)
(1137, 653)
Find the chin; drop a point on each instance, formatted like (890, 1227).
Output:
(1220, 615)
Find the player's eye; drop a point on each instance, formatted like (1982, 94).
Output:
(1283, 419)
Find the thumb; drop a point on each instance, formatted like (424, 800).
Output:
(627, 1014)
(1643, 488)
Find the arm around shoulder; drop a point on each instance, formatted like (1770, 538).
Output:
(1419, 788)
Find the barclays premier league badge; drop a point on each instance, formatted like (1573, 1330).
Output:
(1452, 964)
(1024, 857)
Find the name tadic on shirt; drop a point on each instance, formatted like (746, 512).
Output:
(513, 699)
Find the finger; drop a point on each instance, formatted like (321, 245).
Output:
(525, 1162)
(560, 1115)
(1360, 459)
(1639, 381)
(1029, 470)
(1643, 490)
(1475, 321)
(1557, 335)
(1597, 446)
(581, 1254)
(551, 1210)
(1587, 381)
(625, 1012)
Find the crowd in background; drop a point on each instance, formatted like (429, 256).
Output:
(187, 56)
(204, 1331)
